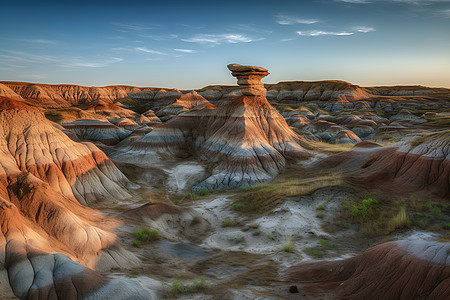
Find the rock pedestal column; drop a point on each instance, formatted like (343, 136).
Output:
(249, 79)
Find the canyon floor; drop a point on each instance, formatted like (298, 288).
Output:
(297, 190)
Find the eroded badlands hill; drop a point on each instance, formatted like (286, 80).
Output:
(48, 237)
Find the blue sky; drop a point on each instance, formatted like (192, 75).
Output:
(187, 44)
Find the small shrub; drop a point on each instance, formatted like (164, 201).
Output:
(288, 246)
(364, 210)
(146, 235)
(136, 243)
(202, 192)
(178, 287)
(195, 220)
(236, 207)
(321, 206)
(226, 222)
(190, 196)
(176, 202)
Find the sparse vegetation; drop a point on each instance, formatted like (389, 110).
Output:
(288, 246)
(226, 222)
(202, 192)
(264, 197)
(195, 220)
(321, 206)
(320, 250)
(144, 236)
(178, 288)
(190, 196)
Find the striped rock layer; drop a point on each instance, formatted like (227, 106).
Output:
(421, 165)
(247, 141)
(44, 179)
(408, 269)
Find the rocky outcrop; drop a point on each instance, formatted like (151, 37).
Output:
(48, 239)
(95, 130)
(407, 269)
(420, 165)
(46, 95)
(246, 140)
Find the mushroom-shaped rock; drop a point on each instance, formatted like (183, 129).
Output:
(249, 79)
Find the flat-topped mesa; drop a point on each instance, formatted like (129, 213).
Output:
(249, 79)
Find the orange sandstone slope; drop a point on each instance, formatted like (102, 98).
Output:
(47, 237)
(246, 140)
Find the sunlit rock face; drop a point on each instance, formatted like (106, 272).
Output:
(406, 269)
(45, 177)
(247, 141)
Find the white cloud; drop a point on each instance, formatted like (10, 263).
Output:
(445, 12)
(217, 39)
(363, 29)
(185, 50)
(140, 49)
(290, 20)
(143, 49)
(320, 32)
(24, 59)
(123, 27)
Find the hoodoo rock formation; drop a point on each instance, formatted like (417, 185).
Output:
(249, 79)
(246, 140)
(405, 269)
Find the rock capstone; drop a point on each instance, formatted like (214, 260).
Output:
(249, 79)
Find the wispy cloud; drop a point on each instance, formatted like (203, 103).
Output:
(291, 20)
(320, 32)
(217, 39)
(140, 49)
(363, 29)
(124, 27)
(158, 37)
(185, 50)
(145, 50)
(445, 12)
(25, 59)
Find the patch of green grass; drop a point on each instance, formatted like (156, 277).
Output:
(236, 207)
(321, 206)
(136, 244)
(390, 213)
(178, 288)
(146, 235)
(265, 197)
(226, 222)
(176, 202)
(332, 148)
(190, 196)
(202, 192)
(288, 246)
(362, 211)
(320, 250)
